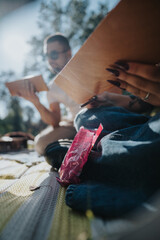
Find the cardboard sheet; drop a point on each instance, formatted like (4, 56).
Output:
(129, 32)
(17, 87)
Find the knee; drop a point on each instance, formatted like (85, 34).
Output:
(77, 124)
(80, 119)
(88, 118)
(39, 144)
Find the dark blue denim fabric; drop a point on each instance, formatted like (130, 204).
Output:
(103, 200)
(130, 158)
(112, 118)
(129, 163)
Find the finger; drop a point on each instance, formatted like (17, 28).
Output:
(26, 83)
(147, 71)
(93, 105)
(136, 81)
(32, 90)
(19, 94)
(26, 90)
(152, 99)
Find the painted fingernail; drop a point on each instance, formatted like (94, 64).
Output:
(33, 188)
(123, 65)
(114, 71)
(115, 83)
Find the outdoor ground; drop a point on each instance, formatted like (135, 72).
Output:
(32, 205)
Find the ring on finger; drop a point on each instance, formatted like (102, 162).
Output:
(146, 97)
(157, 64)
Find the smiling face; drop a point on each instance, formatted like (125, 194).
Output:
(57, 56)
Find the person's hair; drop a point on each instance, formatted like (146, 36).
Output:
(59, 38)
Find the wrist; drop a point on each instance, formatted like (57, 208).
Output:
(36, 102)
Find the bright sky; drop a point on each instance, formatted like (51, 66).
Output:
(16, 29)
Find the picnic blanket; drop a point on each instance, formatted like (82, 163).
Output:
(32, 205)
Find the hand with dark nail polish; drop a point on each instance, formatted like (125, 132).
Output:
(113, 71)
(90, 101)
(122, 65)
(115, 83)
(140, 79)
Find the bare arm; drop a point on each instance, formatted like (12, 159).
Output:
(142, 80)
(50, 116)
(132, 103)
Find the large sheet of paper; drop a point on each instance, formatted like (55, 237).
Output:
(129, 32)
(17, 87)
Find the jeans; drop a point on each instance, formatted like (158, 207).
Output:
(112, 118)
(129, 161)
(130, 156)
(103, 200)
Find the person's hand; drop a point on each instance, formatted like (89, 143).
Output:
(29, 92)
(102, 99)
(142, 80)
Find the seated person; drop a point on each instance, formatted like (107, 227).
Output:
(126, 172)
(58, 53)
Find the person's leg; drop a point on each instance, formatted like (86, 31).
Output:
(127, 172)
(103, 200)
(130, 158)
(112, 118)
(50, 134)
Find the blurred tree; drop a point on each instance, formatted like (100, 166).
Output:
(14, 120)
(4, 94)
(30, 125)
(6, 123)
(74, 18)
(15, 117)
(12, 115)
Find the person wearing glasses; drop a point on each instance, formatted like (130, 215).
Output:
(58, 52)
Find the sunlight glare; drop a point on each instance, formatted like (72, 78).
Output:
(15, 47)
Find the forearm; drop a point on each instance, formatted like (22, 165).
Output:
(130, 102)
(136, 104)
(47, 116)
(51, 117)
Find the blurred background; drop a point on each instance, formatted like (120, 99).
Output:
(23, 26)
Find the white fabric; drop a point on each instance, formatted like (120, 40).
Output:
(56, 94)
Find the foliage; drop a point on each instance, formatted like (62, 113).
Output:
(14, 121)
(14, 115)
(76, 20)
(5, 77)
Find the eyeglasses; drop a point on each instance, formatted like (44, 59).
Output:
(54, 55)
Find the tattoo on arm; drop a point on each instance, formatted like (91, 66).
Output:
(133, 100)
(144, 106)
